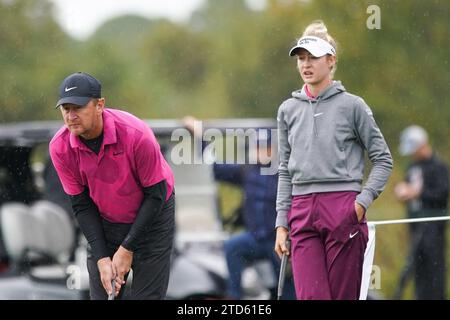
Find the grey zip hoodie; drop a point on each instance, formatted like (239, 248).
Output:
(321, 145)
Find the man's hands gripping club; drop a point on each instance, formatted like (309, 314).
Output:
(115, 269)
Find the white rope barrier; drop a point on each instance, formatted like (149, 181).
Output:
(430, 219)
(370, 249)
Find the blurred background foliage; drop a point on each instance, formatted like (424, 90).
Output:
(231, 61)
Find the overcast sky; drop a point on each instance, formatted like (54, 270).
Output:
(80, 18)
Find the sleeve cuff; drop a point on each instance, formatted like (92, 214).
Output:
(281, 220)
(365, 198)
(103, 253)
(128, 244)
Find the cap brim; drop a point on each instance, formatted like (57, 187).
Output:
(79, 101)
(314, 51)
(293, 51)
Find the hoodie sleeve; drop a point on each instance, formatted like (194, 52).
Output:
(373, 141)
(284, 194)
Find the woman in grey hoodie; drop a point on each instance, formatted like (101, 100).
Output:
(324, 133)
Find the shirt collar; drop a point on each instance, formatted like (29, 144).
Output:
(308, 93)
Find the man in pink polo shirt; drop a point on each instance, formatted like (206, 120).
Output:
(121, 189)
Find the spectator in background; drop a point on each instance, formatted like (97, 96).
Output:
(258, 215)
(425, 193)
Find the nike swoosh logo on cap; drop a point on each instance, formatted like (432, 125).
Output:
(69, 89)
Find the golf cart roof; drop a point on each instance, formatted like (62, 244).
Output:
(30, 133)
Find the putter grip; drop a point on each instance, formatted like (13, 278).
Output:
(283, 265)
(113, 286)
(288, 244)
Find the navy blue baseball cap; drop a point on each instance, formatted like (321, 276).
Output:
(79, 88)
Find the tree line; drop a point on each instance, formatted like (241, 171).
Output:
(231, 61)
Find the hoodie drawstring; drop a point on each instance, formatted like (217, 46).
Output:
(314, 109)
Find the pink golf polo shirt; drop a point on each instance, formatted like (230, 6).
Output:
(129, 160)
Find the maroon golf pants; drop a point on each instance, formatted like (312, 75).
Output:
(327, 246)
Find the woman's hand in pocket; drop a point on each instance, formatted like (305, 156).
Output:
(360, 211)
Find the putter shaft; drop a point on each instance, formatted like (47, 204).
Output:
(284, 260)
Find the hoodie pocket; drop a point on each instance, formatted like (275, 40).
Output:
(319, 164)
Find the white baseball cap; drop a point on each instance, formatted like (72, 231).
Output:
(411, 139)
(315, 45)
